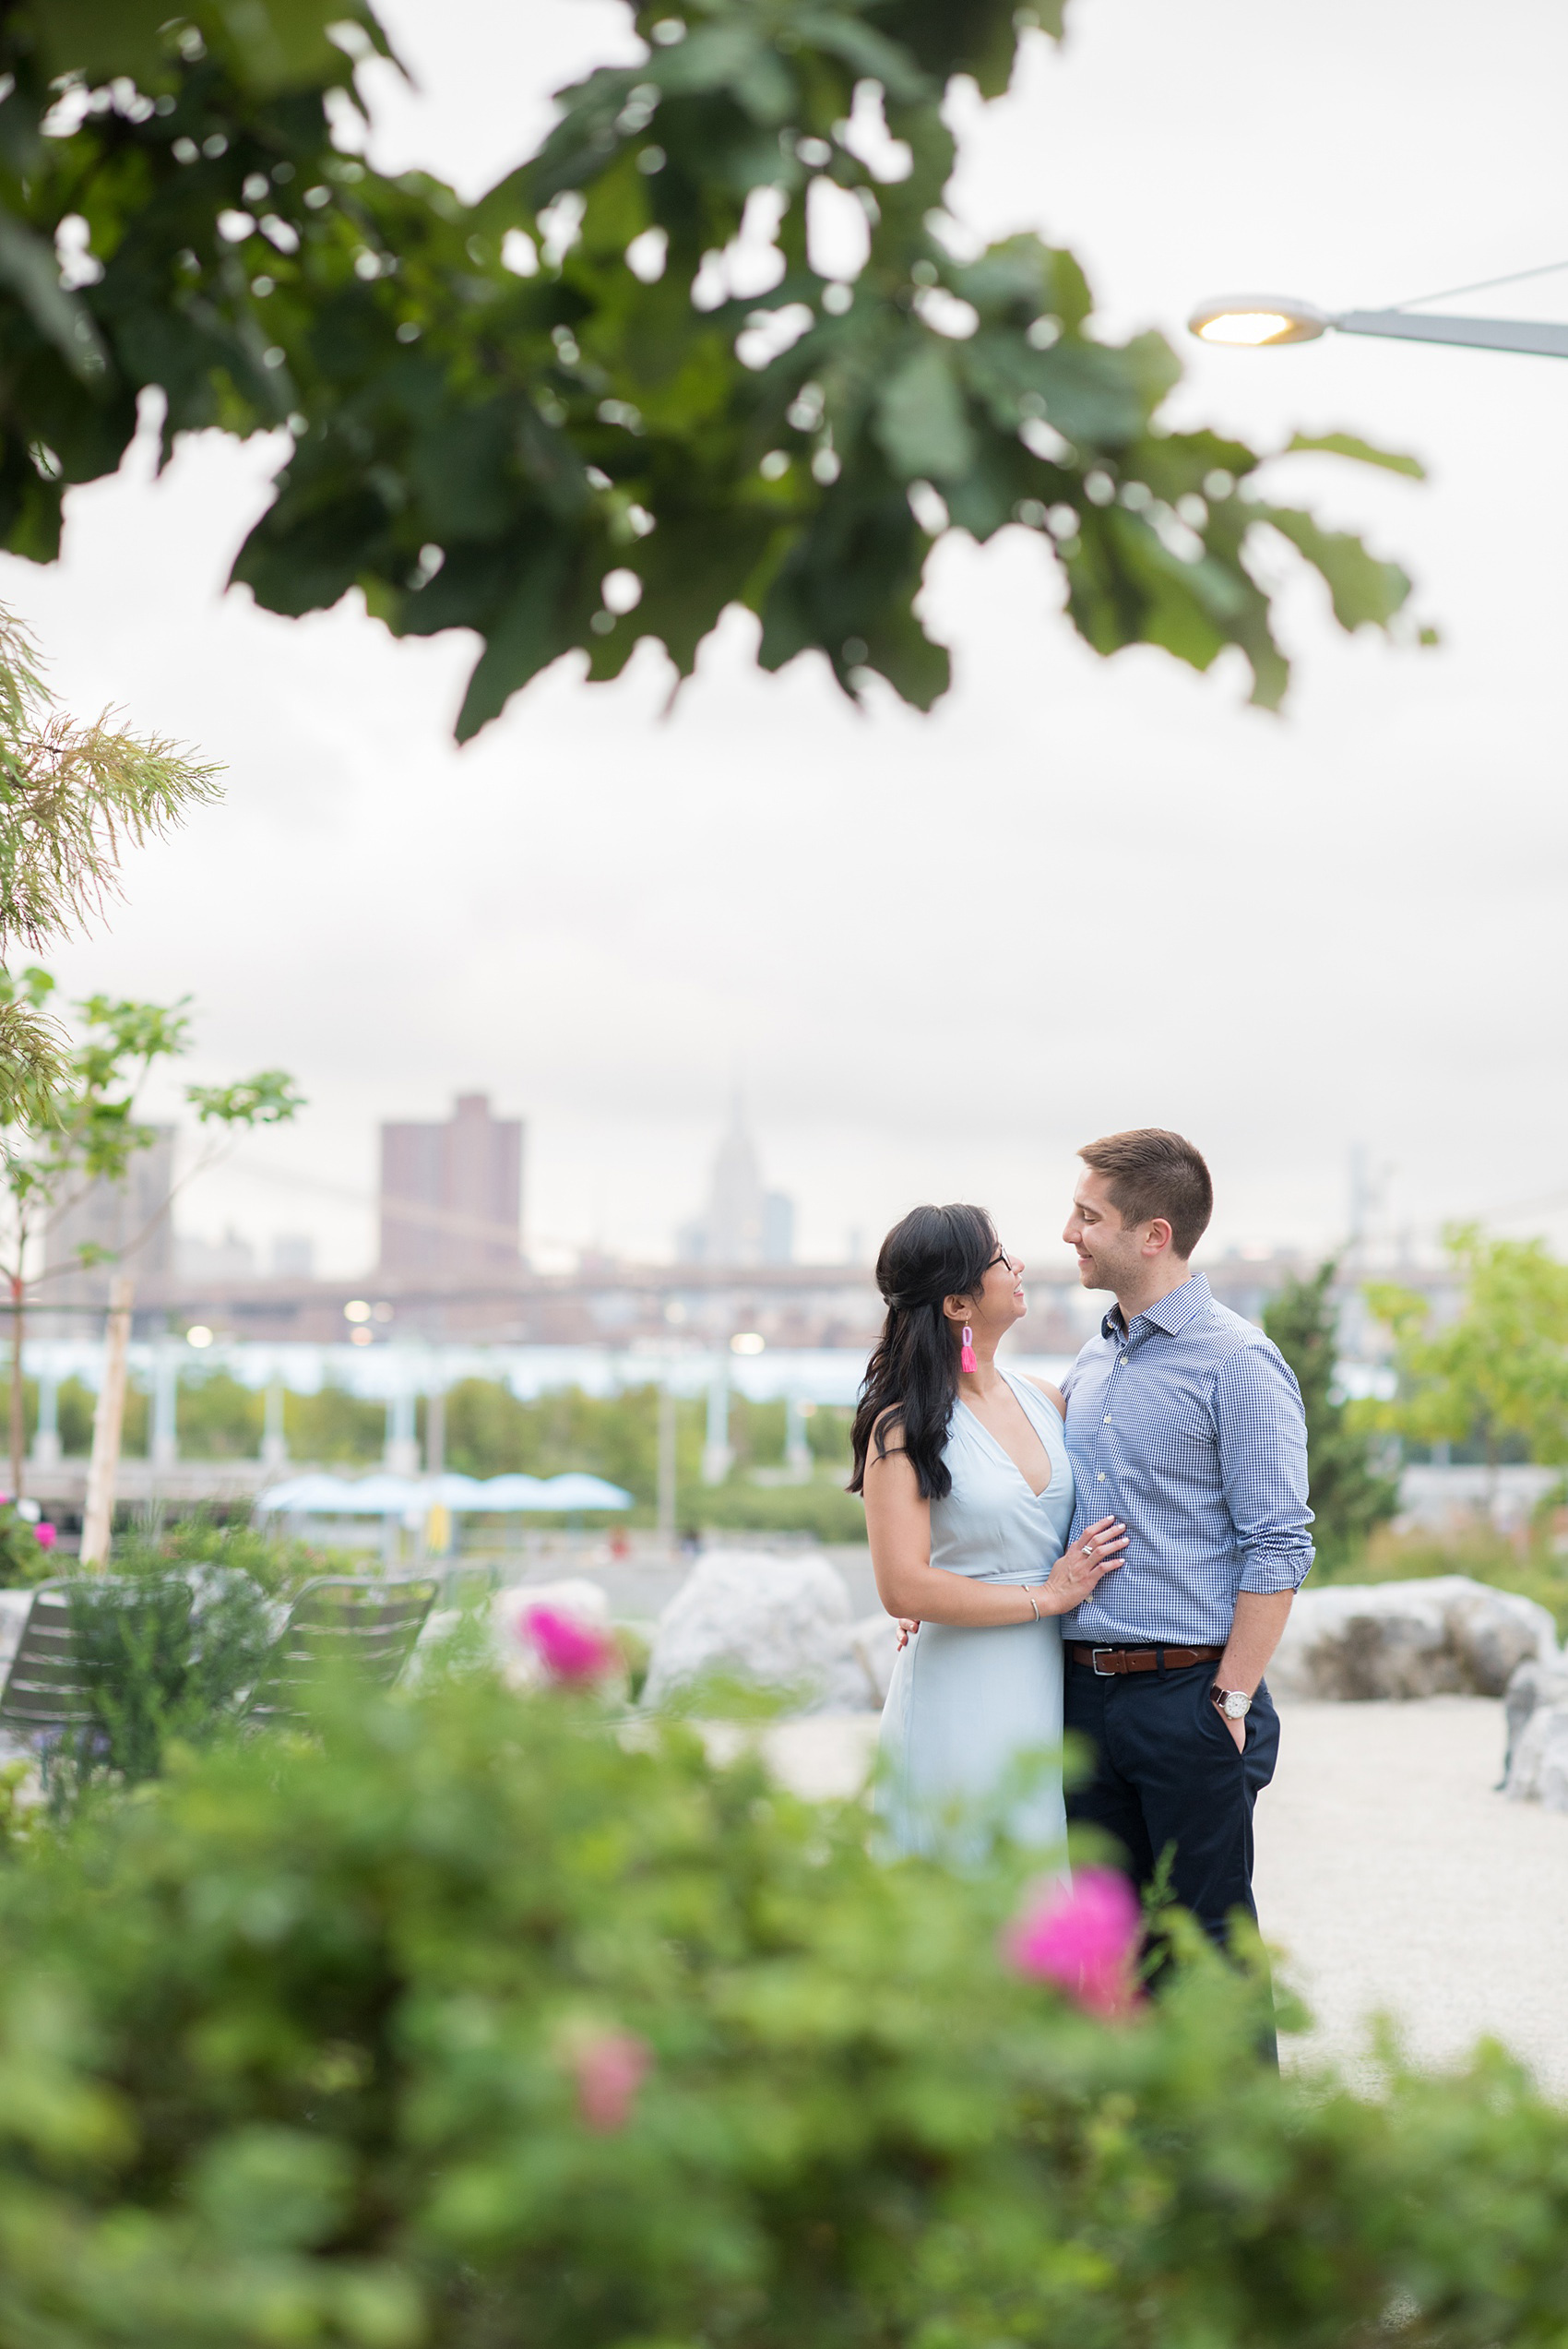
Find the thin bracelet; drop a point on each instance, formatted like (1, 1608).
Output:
(1030, 1596)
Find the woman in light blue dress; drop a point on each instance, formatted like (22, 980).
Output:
(969, 1495)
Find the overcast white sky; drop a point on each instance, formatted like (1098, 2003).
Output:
(938, 953)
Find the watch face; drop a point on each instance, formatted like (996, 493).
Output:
(1236, 1706)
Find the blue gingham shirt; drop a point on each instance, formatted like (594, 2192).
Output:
(1187, 1424)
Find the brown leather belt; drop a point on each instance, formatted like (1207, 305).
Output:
(1107, 1662)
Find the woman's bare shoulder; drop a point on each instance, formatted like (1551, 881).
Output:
(886, 1436)
(1053, 1394)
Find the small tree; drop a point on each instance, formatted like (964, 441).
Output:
(72, 798)
(1500, 1368)
(93, 1133)
(1349, 1499)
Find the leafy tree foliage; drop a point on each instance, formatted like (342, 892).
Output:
(1499, 1367)
(72, 797)
(89, 1131)
(553, 417)
(1349, 1500)
(324, 2040)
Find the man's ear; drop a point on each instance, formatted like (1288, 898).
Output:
(1157, 1236)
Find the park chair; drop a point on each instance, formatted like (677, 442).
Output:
(53, 1684)
(369, 1623)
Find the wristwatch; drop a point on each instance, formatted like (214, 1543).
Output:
(1233, 1702)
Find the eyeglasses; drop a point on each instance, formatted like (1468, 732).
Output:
(1001, 1257)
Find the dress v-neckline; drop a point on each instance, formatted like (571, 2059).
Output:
(997, 1445)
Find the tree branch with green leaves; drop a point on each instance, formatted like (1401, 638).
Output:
(553, 417)
(1498, 1368)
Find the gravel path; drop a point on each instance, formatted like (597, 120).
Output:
(1395, 1879)
(1389, 1873)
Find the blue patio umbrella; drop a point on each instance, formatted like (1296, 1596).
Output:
(575, 1490)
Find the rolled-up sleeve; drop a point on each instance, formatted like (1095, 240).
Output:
(1261, 1433)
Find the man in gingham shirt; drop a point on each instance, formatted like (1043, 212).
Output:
(1185, 1423)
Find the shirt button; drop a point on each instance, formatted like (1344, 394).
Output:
(1121, 1358)
(1106, 1422)
(1102, 1476)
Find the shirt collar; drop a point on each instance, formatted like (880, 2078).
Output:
(1170, 1313)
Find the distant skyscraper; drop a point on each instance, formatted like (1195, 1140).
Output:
(743, 1224)
(229, 1258)
(451, 1195)
(294, 1257)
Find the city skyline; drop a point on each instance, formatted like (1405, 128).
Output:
(940, 953)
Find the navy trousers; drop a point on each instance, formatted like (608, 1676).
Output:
(1168, 1774)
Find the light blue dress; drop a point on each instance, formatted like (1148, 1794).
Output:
(967, 1709)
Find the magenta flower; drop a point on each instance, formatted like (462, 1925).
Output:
(1084, 1937)
(45, 1534)
(609, 2067)
(568, 1649)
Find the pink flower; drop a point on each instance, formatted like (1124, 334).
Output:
(1084, 1937)
(609, 2067)
(568, 1649)
(44, 1533)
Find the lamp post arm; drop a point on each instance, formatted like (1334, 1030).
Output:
(1543, 338)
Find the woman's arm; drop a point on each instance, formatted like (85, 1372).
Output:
(899, 1529)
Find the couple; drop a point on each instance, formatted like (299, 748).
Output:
(1117, 1559)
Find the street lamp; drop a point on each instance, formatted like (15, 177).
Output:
(1251, 321)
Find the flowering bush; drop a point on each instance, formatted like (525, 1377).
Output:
(25, 1543)
(474, 2020)
(569, 1649)
(609, 2067)
(1083, 1935)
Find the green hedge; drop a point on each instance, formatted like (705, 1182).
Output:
(470, 2021)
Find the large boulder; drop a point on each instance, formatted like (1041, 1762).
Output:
(1538, 1769)
(1446, 1636)
(1542, 1681)
(875, 1642)
(777, 1620)
(1535, 1767)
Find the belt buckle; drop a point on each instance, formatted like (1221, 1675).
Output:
(1095, 1654)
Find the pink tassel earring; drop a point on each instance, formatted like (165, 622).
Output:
(967, 1357)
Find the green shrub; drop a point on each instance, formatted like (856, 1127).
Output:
(1531, 1565)
(219, 1418)
(167, 1653)
(203, 1538)
(335, 1427)
(172, 1640)
(822, 1507)
(341, 2040)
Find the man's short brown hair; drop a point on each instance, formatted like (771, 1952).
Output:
(1152, 1172)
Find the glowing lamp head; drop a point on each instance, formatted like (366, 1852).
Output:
(1247, 321)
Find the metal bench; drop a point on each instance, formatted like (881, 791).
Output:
(54, 1683)
(369, 1623)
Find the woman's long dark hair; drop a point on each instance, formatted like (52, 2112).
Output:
(912, 1380)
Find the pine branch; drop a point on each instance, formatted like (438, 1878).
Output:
(73, 798)
(33, 1065)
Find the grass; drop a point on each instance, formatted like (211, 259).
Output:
(821, 1508)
